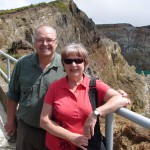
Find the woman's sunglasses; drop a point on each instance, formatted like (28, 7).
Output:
(76, 60)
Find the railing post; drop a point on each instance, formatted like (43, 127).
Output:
(109, 131)
(8, 57)
(8, 69)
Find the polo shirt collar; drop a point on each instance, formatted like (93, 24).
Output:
(84, 83)
(56, 61)
(35, 60)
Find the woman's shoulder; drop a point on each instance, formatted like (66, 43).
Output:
(102, 85)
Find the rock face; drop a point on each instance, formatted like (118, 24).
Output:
(72, 25)
(134, 43)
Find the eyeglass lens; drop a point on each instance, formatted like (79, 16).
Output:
(70, 61)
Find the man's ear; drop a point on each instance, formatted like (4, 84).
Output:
(56, 43)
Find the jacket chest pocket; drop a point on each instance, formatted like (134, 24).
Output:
(29, 95)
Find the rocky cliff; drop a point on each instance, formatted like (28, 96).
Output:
(72, 25)
(134, 43)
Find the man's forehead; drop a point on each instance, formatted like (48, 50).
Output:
(46, 34)
(44, 30)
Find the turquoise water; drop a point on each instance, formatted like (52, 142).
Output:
(140, 72)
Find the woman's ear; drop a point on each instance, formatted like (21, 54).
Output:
(85, 66)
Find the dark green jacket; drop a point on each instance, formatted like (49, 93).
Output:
(29, 84)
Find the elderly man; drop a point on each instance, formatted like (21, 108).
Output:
(29, 82)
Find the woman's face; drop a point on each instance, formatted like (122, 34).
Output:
(74, 66)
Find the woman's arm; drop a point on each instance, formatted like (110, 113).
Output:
(58, 131)
(114, 101)
(111, 92)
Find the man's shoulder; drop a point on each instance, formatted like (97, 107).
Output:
(26, 57)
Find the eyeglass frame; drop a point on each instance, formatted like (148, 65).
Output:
(69, 61)
(41, 40)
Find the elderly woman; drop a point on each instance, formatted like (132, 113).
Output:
(67, 114)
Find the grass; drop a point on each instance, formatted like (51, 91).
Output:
(16, 56)
(58, 4)
(10, 11)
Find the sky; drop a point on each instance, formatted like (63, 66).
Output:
(134, 12)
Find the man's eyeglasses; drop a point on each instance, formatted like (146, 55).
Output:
(76, 60)
(48, 41)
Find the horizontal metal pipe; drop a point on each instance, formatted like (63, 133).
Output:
(135, 117)
(8, 56)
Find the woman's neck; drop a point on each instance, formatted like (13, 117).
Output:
(73, 83)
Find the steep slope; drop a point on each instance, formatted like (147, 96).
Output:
(134, 42)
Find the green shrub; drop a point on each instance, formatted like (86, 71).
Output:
(60, 5)
(10, 11)
(16, 56)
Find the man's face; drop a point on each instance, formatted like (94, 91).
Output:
(45, 41)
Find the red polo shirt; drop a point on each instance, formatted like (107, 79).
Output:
(70, 110)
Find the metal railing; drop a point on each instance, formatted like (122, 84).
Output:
(130, 115)
(8, 58)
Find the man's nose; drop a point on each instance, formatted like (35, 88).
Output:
(45, 42)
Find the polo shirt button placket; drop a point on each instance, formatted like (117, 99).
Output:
(76, 111)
